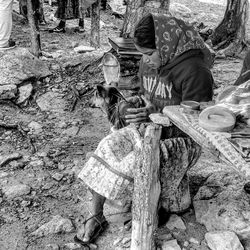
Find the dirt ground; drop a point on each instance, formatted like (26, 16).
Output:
(67, 136)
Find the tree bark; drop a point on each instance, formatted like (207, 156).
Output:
(34, 30)
(147, 190)
(230, 35)
(95, 24)
(37, 7)
(136, 9)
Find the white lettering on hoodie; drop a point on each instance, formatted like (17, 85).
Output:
(163, 90)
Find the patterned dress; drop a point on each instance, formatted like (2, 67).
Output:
(110, 170)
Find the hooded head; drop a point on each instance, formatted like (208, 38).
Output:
(166, 38)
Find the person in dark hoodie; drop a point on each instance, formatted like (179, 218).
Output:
(174, 68)
(175, 62)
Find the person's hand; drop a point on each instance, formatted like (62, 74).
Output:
(139, 115)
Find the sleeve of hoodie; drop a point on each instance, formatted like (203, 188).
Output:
(198, 86)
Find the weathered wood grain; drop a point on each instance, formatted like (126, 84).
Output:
(147, 190)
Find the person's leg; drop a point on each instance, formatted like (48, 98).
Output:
(178, 155)
(86, 231)
(5, 22)
(60, 28)
(81, 16)
(61, 15)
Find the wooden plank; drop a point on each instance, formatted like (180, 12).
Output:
(147, 190)
(122, 43)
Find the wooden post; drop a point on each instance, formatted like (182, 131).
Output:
(34, 30)
(95, 24)
(147, 190)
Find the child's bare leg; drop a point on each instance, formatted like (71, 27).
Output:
(86, 231)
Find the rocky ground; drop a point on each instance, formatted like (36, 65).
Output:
(48, 131)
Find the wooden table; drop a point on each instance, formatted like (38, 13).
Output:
(212, 141)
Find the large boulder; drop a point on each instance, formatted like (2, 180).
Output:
(8, 91)
(15, 191)
(222, 204)
(223, 240)
(51, 102)
(170, 245)
(18, 65)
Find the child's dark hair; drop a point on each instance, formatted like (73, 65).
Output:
(144, 35)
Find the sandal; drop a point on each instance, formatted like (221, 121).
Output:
(127, 224)
(99, 229)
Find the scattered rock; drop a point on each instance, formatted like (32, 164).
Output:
(51, 101)
(57, 225)
(25, 203)
(83, 49)
(62, 124)
(164, 237)
(57, 54)
(4, 175)
(52, 247)
(194, 241)
(171, 245)
(55, 67)
(74, 44)
(72, 131)
(175, 222)
(223, 240)
(24, 93)
(61, 166)
(57, 176)
(36, 163)
(15, 191)
(35, 127)
(222, 204)
(72, 62)
(8, 91)
(17, 164)
(4, 159)
(42, 154)
(18, 65)
(72, 246)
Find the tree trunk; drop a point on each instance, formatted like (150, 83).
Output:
(34, 30)
(95, 24)
(37, 7)
(230, 35)
(136, 9)
(147, 189)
